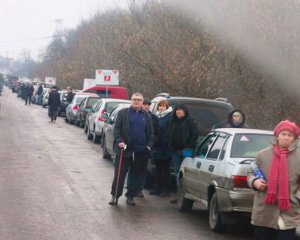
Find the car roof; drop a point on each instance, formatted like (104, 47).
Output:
(86, 94)
(243, 131)
(217, 101)
(114, 100)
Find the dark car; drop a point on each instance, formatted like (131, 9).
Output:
(207, 113)
(83, 109)
(108, 142)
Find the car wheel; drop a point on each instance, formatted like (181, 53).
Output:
(81, 123)
(105, 153)
(215, 221)
(183, 204)
(95, 138)
(70, 121)
(89, 135)
(85, 128)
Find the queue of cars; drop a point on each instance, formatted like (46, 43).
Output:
(216, 175)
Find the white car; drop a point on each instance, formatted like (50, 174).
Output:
(95, 121)
(217, 174)
(72, 108)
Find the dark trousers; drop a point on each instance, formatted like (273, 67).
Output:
(27, 100)
(265, 233)
(137, 163)
(162, 175)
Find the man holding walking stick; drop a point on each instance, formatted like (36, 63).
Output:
(134, 136)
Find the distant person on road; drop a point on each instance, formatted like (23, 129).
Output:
(28, 93)
(133, 134)
(275, 212)
(183, 137)
(53, 103)
(39, 94)
(70, 95)
(236, 119)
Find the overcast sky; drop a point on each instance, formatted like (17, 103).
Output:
(29, 24)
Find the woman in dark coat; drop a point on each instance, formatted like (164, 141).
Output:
(53, 103)
(161, 152)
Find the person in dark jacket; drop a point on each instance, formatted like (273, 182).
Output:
(70, 95)
(53, 103)
(146, 106)
(236, 119)
(28, 92)
(133, 134)
(161, 153)
(183, 137)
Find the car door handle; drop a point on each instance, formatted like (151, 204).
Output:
(211, 168)
(198, 164)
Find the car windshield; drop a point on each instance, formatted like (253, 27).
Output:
(91, 102)
(207, 116)
(248, 145)
(79, 99)
(111, 105)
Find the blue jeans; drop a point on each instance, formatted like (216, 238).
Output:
(39, 99)
(177, 159)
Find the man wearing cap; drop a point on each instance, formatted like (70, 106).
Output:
(183, 136)
(275, 212)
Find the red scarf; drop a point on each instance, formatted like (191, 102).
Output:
(279, 180)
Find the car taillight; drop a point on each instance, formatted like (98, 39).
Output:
(75, 108)
(101, 119)
(240, 182)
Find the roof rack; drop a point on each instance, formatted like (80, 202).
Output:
(221, 99)
(166, 95)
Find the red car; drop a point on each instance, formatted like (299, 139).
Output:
(108, 91)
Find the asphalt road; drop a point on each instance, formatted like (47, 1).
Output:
(55, 185)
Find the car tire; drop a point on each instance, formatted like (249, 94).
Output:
(89, 135)
(85, 128)
(95, 138)
(214, 217)
(70, 121)
(81, 124)
(105, 153)
(183, 204)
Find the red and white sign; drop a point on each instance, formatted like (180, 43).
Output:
(50, 81)
(107, 77)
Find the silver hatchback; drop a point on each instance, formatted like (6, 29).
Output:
(217, 175)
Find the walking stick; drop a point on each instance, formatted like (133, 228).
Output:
(118, 176)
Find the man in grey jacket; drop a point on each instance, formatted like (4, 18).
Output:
(133, 133)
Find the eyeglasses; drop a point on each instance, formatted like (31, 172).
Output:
(136, 99)
(236, 115)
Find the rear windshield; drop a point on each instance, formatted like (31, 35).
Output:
(91, 102)
(79, 99)
(110, 106)
(248, 145)
(207, 116)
